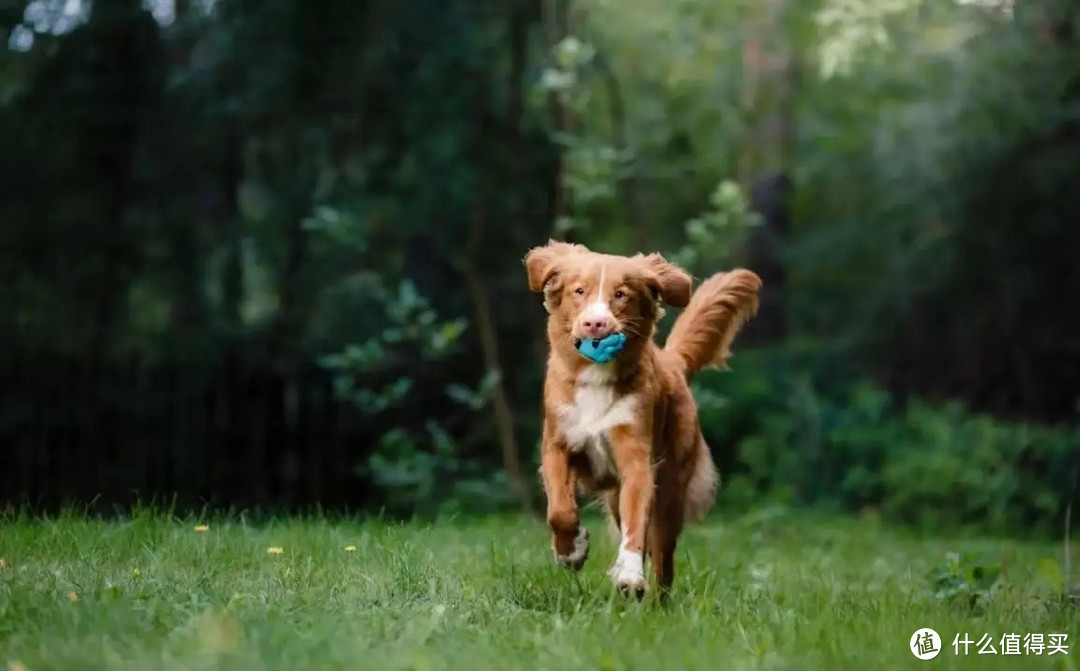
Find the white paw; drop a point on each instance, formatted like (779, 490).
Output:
(576, 559)
(628, 572)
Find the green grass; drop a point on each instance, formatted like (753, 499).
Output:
(755, 592)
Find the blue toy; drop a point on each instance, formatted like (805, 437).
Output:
(601, 350)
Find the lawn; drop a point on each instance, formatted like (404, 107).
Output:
(763, 591)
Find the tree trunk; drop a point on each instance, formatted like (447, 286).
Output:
(485, 327)
(627, 184)
(770, 198)
(767, 101)
(767, 97)
(557, 28)
(232, 281)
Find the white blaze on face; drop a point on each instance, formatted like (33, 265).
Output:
(598, 308)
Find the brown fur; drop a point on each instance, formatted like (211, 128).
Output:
(703, 334)
(661, 475)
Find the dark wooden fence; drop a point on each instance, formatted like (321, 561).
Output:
(226, 431)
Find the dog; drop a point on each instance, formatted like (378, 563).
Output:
(627, 430)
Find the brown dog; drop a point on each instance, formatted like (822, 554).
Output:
(628, 429)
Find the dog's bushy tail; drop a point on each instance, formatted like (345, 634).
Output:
(702, 335)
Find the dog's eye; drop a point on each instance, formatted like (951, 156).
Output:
(620, 294)
(579, 291)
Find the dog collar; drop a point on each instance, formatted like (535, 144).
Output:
(601, 350)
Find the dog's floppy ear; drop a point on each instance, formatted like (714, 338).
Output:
(668, 282)
(542, 263)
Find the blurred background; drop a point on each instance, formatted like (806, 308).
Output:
(267, 253)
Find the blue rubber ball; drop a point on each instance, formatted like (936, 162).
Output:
(601, 350)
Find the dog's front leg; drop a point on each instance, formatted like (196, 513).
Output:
(630, 449)
(569, 539)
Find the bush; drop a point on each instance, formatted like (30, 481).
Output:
(794, 426)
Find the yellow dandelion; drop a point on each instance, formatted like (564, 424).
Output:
(135, 572)
(274, 551)
(350, 548)
(202, 527)
(16, 665)
(73, 597)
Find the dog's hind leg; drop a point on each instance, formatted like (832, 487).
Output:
(665, 526)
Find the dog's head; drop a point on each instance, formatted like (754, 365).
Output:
(590, 295)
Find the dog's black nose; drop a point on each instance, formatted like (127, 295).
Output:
(577, 343)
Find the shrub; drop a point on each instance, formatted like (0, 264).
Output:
(794, 426)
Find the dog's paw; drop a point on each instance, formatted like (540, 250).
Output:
(628, 573)
(580, 552)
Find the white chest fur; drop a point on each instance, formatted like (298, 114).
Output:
(587, 421)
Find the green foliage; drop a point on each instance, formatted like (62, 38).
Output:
(412, 328)
(934, 199)
(260, 183)
(592, 165)
(712, 235)
(417, 468)
(474, 399)
(962, 579)
(423, 473)
(851, 30)
(1051, 573)
(792, 427)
